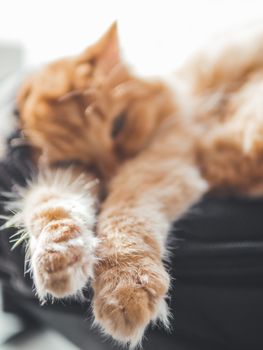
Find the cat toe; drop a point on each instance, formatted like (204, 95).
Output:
(62, 267)
(125, 304)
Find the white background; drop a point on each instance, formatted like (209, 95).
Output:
(156, 36)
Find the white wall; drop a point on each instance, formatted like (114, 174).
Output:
(155, 34)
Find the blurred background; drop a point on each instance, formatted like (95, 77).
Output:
(156, 36)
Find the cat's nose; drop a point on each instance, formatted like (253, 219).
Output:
(108, 166)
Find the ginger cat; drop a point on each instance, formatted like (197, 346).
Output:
(121, 158)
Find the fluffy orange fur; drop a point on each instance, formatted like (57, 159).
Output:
(155, 150)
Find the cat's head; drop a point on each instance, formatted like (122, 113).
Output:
(90, 109)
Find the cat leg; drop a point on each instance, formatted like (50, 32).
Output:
(130, 280)
(57, 212)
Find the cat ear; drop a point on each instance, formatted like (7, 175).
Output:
(105, 53)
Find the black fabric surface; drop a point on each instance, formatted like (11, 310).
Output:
(217, 266)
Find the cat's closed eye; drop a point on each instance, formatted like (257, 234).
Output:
(118, 124)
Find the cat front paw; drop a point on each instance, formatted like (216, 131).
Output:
(62, 259)
(128, 295)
